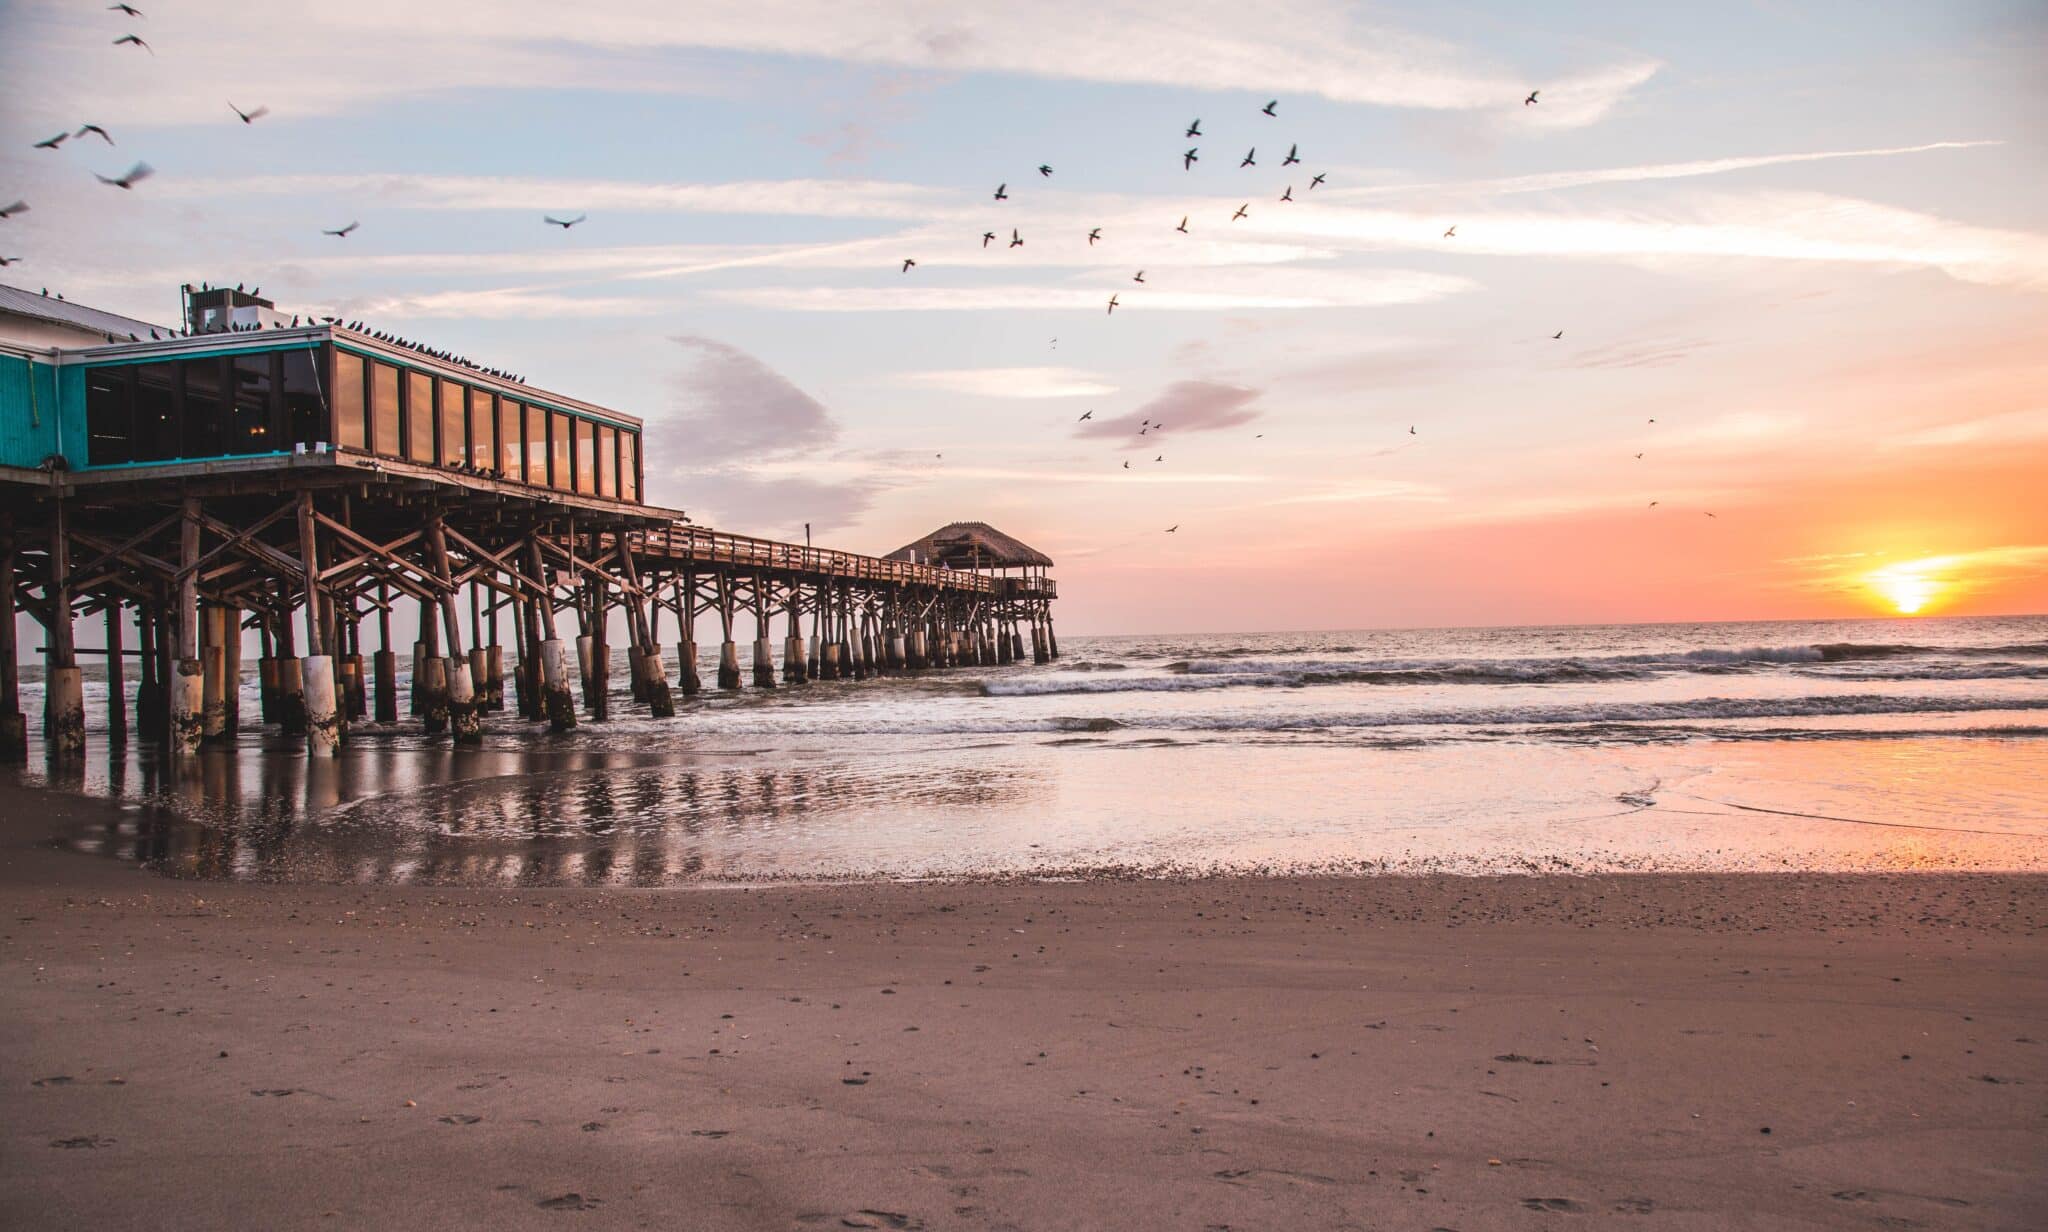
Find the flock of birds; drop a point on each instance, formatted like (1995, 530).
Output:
(141, 171)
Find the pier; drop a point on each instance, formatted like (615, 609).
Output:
(248, 472)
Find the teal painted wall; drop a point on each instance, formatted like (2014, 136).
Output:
(31, 415)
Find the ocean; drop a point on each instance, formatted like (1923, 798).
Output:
(1879, 745)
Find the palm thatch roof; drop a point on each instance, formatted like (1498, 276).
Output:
(969, 545)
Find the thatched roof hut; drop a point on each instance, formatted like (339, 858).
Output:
(972, 545)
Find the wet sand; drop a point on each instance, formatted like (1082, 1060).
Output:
(1414, 1052)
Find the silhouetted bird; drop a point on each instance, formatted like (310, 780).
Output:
(1016, 240)
(1045, 169)
(1319, 179)
(1450, 232)
(129, 9)
(1139, 276)
(1002, 191)
(248, 117)
(563, 223)
(1709, 513)
(7, 261)
(53, 142)
(987, 236)
(135, 175)
(342, 232)
(1293, 156)
(1127, 466)
(1289, 194)
(1248, 160)
(1531, 100)
(1557, 335)
(1112, 305)
(1194, 130)
(1171, 529)
(1189, 159)
(907, 264)
(1268, 108)
(95, 129)
(1242, 210)
(1094, 235)
(1086, 415)
(135, 39)
(1183, 227)
(1411, 429)
(1653, 504)
(1160, 458)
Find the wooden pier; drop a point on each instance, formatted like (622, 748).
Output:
(304, 482)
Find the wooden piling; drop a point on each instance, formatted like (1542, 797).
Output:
(13, 724)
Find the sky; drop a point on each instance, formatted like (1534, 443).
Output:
(1796, 254)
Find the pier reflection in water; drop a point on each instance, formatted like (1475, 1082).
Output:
(410, 813)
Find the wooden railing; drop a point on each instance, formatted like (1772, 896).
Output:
(680, 541)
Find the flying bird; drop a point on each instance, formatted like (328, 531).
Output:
(1094, 235)
(563, 223)
(7, 261)
(135, 39)
(1411, 429)
(1189, 159)
(908, 263)
(1531, 100)
(1248, 160)
(1160, 458)
(986, 237)
(1312, 183)
(1016, 240)
(83, 129)
(1173, 528)
(1708, 512)
(1242, 211)
(129, 9)
(1639, 457)
(1089, 414)
(1289, 194)
(1268, 108)
(1453, 230)
(1293, 156)
(1127, 466)
(342, 232)
(1653, 504)
(1182, 228)
(135, 175)
(1194, 130)
(249, 117)
(1139, 277)
(1002, 191)
(1045, 168)
(1112, 305)
(1559, 334)
(53, 142)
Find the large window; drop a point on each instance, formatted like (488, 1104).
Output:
(109, 417)
(248, 429)
(511, 459)
(384, 425)
(204, 412)
(483, 431)
(419, 416)
(536, 446)
(302, 407)
(607, 460)
(454, 424)
(156, 411)
(558, 450)
(629, 466)
(349, 431)
(586, 455)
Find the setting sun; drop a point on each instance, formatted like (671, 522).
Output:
(1910, 586)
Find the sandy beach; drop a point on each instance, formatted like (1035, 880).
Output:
(1468, 1053)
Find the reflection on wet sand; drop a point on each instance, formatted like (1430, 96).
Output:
(420, 815)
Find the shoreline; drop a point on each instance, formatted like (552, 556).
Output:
(1449, 1052)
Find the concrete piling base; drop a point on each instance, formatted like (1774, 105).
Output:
(464, 719)
(557, 703)
(266, 688)
(828, 661)
(213, 704)
(187, 701)
(354, 702)
(764, 663)
(728, 665)
(323, 718)
(686, 669)
(492, 687)
(432, 691)
(64, 700)
(385, 666)
(661, 700)
(794, 669)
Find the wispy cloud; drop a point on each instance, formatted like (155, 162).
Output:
(537, 194)
(1237, 289)
(1011, 382)
(1183, 407)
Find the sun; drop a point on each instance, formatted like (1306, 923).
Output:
(1911, 585)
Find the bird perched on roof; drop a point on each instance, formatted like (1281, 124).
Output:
(135, 175)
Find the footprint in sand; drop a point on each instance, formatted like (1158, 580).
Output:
(90, 1142)
(1556, 1206)
(569, 1202)
(460, 1118)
